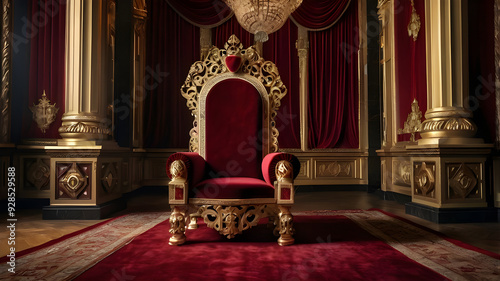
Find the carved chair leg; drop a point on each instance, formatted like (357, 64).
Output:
(193, 223)
(177, 226)
(286, 230)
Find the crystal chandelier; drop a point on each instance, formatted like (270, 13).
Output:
(262, 17)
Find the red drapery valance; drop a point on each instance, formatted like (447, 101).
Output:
(319, 14)
(202, 13)
(47, 25)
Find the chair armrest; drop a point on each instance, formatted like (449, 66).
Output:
(270, 162)
(194, 167)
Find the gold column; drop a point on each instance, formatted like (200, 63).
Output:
(88, 59)
(448, 164)
(447, 121)
(302, 46)
(5, 72)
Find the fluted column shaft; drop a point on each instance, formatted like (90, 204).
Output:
(88, 61)
(447, 121)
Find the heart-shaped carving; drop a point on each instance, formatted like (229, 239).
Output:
(233, 62)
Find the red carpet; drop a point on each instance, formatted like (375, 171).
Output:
(343, 245)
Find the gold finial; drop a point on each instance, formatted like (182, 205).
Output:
(284, 170)
(414, 25)
(413, 123)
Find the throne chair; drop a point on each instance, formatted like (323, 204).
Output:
(233, 175)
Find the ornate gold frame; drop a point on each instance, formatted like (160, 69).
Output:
(265, 72)
(266, 146)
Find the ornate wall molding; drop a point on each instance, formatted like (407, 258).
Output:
(5, 72)
(335, 169)
(37, 173)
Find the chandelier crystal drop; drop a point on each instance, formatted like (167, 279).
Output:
(262, 17)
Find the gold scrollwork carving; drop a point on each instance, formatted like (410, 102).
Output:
(462, 180)
(424, 178)
(213, 64)
(44, 113)
(83, 128)
(73, 182)
(178, 170)
(232, 220)
(177, 227)
(402, 172)
(413, 122)
(335, 169)
(284, 170)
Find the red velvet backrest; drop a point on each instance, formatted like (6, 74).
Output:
(233, 129)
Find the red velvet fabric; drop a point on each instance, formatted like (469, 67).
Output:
(482, 69)
(333, 84)
(269, 165)
(411, 80)
(221, 33)
(280, 49)
(233, 62)
(326, 248)
(233, 188)
(204, 13)
(47, 26)
(320, 14)
(195, 165)
(233, 128)
(172, 47)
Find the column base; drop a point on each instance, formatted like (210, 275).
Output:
(97, 212)
(452, 215)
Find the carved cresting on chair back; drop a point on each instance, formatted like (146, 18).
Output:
(262, 75)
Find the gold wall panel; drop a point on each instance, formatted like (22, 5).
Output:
(464, 181)
(401, 172)
(34, 176)
(336, 169)
(305, 169)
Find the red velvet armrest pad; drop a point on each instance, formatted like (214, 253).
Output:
(195, 165)
(270, 161)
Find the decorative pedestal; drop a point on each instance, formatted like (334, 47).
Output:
(86, 182)
(448, 183)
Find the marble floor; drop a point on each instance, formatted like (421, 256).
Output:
(31, 230)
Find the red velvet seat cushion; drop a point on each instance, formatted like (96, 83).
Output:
(233, 188)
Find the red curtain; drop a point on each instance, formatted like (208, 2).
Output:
(47, 26)
(281, 50)
(221, 33)
(410, 59)
(202, 12)
(320, 14)
(173, 46)
(333, 84)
